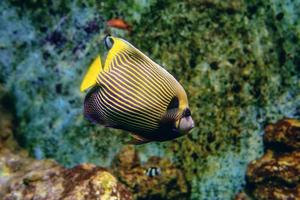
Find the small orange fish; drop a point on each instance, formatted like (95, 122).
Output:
(119, 23)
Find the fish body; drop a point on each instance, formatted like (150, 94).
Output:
(153, 171)
(133, 93)
(119, 23)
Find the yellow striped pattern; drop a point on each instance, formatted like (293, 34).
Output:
(133, 92)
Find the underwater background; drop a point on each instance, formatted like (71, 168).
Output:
(239, 62)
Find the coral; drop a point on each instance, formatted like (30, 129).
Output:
(170, 184)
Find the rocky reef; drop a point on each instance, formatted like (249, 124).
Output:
(238, 61)
(22, 177)
(276, 175)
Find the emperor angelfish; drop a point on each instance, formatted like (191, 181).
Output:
(133, 93)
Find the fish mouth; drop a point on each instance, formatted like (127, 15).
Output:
(193, 124)
(191, 127)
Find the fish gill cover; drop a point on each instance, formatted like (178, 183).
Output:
(238, 62)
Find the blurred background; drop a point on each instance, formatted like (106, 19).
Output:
(239, 62)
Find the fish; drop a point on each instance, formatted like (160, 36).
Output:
(119, 23)
(133, 93)
(153, 171)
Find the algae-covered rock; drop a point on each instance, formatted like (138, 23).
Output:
(170, 184)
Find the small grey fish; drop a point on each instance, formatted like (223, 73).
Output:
(153, 171)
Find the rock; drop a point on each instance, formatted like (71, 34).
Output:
(276, 175)
(6, 122)
(22, 177)
(242, 196)
(281, 169)
(285, 134)
(171, 184)
(96, 183)
(276, 192)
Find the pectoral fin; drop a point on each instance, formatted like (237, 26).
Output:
(172, 112)
(170, 116)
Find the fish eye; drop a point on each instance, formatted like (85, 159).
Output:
(187, 112)
(108, 41)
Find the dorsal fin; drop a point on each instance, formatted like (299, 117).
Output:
(90, 78)
(116, 46)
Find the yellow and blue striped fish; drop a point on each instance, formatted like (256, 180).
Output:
(133, 93)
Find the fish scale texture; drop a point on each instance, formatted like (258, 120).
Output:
(238, 62)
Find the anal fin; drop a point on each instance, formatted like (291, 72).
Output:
(137, 140)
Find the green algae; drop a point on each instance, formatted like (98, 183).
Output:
(238, 61)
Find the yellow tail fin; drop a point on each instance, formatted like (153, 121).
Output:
(90, 78)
